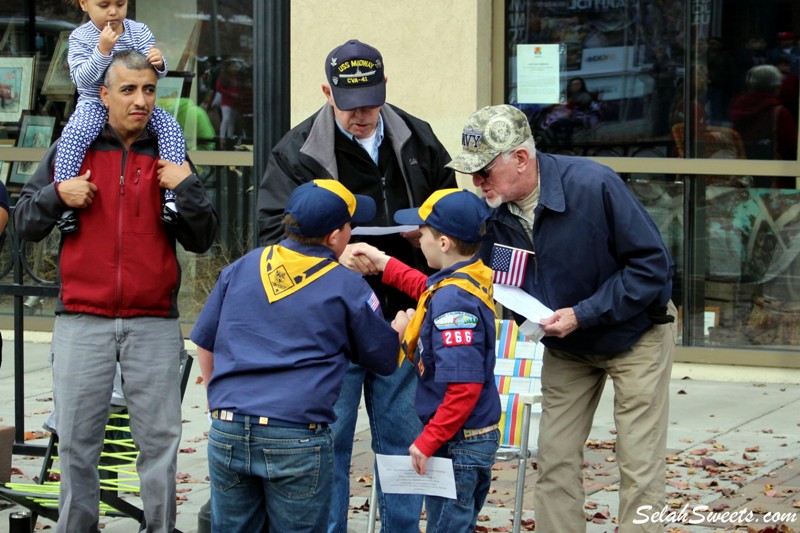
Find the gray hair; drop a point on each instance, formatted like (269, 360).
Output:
(528, 144)
(764, 78)
(130, 59)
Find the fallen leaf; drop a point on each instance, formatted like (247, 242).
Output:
(679, 484)
(33, 435)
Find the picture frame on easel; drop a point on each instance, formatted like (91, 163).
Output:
(35, 132)
(5, 165)
(16, 86)
(57, 81)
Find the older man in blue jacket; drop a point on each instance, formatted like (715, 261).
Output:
(599, 261)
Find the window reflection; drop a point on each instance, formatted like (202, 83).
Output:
(702, 80)
(645, 75)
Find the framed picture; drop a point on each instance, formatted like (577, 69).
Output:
(4, 165)
(16, 86)
(36, 132)
(57, 80)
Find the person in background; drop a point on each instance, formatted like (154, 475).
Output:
(229, 89)
(375, 149)
(599, 262)
(767, 128)
(787, 48)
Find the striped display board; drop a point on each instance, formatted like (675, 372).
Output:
(518, 370)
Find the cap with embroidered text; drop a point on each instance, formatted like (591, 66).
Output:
(457, 213)
(355, 74)
(323, 205)
(488, 133)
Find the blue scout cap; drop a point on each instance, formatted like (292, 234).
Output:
(321, 206)
(355, 74)
(455, 212)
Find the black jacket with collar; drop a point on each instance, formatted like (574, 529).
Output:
(307, 152)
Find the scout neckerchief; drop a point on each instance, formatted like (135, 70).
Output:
(284, 271)
(474, 278)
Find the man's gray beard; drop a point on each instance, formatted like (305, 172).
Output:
(497, 202)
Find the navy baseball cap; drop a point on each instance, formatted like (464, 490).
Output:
(458, 213)
(355, 74)
(321, 206)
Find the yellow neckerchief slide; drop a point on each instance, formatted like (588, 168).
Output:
(475, 278)
(284, 271)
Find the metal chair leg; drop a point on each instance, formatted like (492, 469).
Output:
(522, 464)
(373, 503)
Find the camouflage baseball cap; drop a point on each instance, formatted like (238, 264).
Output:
(488, 133)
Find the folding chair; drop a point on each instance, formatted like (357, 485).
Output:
(117, 469)
(518, 372)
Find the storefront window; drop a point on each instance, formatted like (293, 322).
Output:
(697, 79)
(208, 45)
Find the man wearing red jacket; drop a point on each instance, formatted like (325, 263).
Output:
(118, 302)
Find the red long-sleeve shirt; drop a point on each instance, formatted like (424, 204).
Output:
(460, 398)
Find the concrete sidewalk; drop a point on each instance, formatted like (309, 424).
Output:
(733, 445)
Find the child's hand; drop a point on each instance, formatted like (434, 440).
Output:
(108, 38)
(354, 259)
(418, 459)
(170, 175)
(401, 320)
(375, 257)
(155, 58)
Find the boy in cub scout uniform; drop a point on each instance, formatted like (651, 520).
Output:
(450, 341)
(274, 341)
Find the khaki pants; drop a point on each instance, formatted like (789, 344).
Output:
(572, 387)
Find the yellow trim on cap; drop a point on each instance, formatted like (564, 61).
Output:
(426, 208)
(341, 191)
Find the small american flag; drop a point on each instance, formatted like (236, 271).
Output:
(508, 265)
(373, 302)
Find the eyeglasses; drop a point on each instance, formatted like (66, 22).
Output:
(486, 171)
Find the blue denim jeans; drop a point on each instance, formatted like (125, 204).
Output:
(389, 402)
(266, 475)
(472, 465)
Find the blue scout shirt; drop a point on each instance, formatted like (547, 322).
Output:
(287, 360)
(456, 345)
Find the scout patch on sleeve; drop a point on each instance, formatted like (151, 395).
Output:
(455, 320)
(457, 337)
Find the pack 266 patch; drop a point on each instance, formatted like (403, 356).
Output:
(456, 320)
